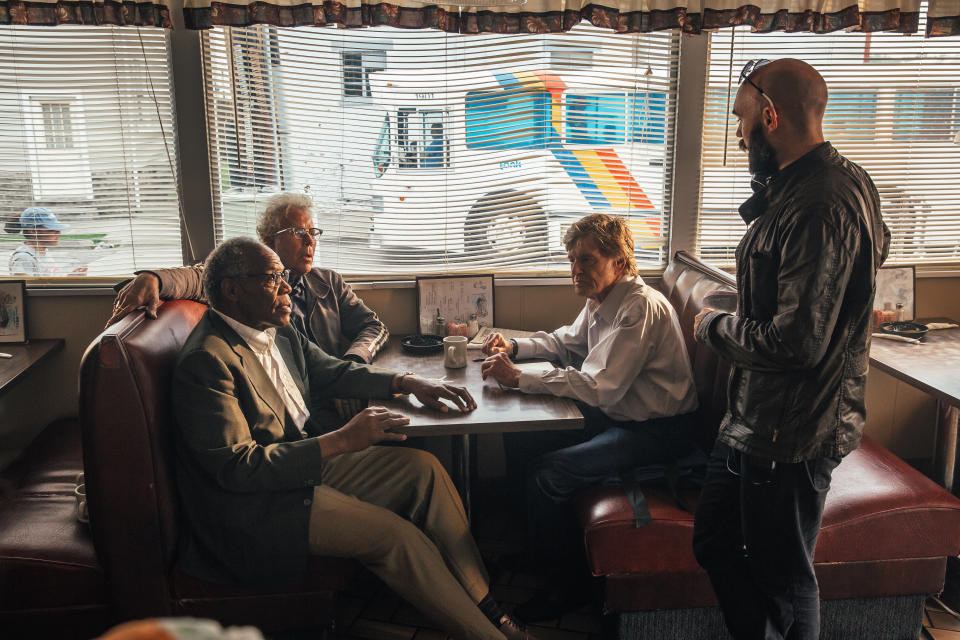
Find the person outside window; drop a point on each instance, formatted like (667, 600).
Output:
(41, 230)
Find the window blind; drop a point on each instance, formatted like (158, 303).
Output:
(86, 119)
(894, 109)
(429, 152)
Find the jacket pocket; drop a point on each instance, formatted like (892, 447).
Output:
(760, 402)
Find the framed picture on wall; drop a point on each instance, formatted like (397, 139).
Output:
(455, 298)
(13, 311)
(896, 285)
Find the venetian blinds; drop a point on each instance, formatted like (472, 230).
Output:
(430, 152)
(894, 108)
(86, 119)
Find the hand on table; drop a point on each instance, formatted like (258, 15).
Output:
(500, 368)
(430, 392)
(496, 343)
(142, 291)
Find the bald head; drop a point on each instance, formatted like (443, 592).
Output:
(798, 92)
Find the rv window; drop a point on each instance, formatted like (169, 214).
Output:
(596, 120)
(648, 117)
(381, 155)
(512, 119)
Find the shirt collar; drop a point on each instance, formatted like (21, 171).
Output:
(611, 304)
(259, 341)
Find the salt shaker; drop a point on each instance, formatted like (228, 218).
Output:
(900, 312)
(472, 326)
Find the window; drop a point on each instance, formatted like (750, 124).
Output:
(893, 109)
(381, 155)
(596, 120)
(433, 152)
(510, 119)
(925, 116)
(57, 128)
(648, 113)
(86, 118)
(357, 67)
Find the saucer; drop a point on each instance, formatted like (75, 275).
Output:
(422, 344)
(905, 329)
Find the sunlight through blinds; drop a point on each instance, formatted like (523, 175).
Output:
(428, 152)
(894, 109)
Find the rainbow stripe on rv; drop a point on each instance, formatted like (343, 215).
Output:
(599, 174)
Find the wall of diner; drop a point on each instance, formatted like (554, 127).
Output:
(899, 415)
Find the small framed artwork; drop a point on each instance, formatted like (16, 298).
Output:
(896, 286)
(455, 299)
(13, 311)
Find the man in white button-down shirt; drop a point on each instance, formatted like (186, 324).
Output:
(624, 362)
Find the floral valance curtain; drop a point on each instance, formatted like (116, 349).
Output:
(550, 16)
(50, 13)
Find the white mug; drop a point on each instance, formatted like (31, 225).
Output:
(80, 492)
(455, 352)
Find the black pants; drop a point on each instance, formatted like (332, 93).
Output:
(755, 533)
(558, 463)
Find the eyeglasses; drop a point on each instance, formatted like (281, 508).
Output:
(301, 232)
(748, 69)
(274, 279)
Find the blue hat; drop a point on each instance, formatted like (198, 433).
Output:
(40, 217)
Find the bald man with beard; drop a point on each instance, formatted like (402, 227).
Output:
(798, 345)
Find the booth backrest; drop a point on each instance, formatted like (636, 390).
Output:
(691, 285)
(125, 380)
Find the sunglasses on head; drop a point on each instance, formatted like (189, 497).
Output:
(747, 71)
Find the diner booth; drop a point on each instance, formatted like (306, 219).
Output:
(444, 147)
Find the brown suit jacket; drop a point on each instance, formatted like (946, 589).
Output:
(245, 473)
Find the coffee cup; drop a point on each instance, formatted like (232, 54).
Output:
(80, 493)
(455, 352)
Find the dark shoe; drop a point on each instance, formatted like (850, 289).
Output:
(553, 603)
(513, 630)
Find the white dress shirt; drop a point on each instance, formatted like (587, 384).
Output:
(625, 356)
(262, 343)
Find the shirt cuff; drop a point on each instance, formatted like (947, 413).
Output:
(532, 383)
(355, 356)
(525, 349)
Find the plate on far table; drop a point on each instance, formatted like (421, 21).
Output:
(905, 329)
(422, 344)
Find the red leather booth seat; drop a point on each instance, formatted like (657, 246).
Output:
(51, 584)
(126, 424)
(887, 529)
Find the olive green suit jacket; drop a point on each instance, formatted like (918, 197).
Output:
(245, 473)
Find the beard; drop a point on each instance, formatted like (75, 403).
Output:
(762, 157)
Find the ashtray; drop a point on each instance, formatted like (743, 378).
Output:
(905, 329)
(422, 344)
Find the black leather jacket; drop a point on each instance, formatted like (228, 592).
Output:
(799, 342)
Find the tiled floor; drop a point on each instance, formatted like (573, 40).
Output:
(373, 612)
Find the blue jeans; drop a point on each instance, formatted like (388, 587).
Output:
(558, 463)
(755, 533)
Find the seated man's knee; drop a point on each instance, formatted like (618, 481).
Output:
(550, 480)
(401, 540)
